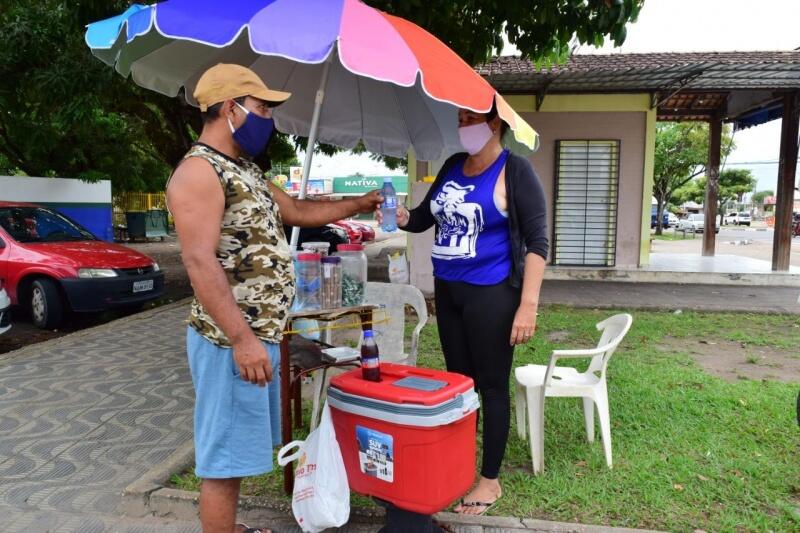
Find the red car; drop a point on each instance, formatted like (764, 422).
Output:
(51, 264)
(353, 232)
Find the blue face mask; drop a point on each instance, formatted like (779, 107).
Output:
(252, 136)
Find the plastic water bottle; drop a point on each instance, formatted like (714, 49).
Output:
(389, 206)
(370, 359)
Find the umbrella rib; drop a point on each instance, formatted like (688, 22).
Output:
(360, 106)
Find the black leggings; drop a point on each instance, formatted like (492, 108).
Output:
(474, 329)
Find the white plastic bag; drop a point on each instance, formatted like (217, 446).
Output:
(398, 268)
(321, 497)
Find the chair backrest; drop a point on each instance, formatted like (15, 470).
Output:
(393, 298)
(614, 330)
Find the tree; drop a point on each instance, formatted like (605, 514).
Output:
(64, 113)
(733, 185)
(681, 154)
(758, 197)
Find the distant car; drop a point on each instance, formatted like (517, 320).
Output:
(367, 231)
(353, 232)
(52, 264)
(673, 219)
(654, 217)
(5, 309)
(695, 222)
(738, 219)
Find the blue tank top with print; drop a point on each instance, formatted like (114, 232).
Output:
(472, 242)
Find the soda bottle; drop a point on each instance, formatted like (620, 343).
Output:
(370, 359)
(389, 206)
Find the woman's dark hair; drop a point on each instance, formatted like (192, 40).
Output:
(493, 113)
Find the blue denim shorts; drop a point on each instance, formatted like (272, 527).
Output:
(236, 423)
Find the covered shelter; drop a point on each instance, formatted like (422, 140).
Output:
(742, 88)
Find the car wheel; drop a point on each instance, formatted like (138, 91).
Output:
(45, 303)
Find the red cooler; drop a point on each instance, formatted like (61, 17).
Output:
(409, 439)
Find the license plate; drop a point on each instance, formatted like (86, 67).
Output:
(143, 286)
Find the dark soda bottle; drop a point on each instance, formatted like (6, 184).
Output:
(370, 359)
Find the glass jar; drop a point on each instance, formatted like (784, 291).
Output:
(331, 282)
(316, 247)
(309, 283)
(354, 273)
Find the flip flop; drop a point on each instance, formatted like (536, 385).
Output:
(248, 529)
(486, 505)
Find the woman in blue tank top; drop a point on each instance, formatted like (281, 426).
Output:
(490, 245)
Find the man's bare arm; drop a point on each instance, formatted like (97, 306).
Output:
(309, 213)
(197, 203)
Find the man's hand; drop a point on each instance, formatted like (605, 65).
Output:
(252, 359)
(524, 324)
(402, 216)
(369, 202)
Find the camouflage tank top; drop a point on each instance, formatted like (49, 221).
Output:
(252, 250)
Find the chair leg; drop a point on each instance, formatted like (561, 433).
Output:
(588, 416)
(519, 409)
(536, 427)
(603, 414)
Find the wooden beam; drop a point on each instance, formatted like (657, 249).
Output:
(712, 185)
(787, 166)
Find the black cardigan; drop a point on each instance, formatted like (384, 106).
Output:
(527, 211)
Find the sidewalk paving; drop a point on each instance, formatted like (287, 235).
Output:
(85, 415)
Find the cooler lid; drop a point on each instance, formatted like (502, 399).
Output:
(402, 384)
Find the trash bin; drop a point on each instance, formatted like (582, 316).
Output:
(137, 224)
(156, 224)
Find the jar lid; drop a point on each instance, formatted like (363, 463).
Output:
(307, 256)
(332, 260)
(350, 248)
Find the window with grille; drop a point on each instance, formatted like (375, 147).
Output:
(587, 181)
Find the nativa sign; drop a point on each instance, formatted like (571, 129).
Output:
(363, 184)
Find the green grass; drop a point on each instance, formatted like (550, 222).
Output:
(670, 235)
(691, 451)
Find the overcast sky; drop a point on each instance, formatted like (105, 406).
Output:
(681, 26)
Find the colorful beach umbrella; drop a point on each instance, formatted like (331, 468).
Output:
(355, 73)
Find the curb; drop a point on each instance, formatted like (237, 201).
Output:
(149, 497)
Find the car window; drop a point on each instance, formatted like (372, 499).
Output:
(37, 224)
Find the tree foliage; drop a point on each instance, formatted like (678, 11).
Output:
(759, 196)
(733, 185)
(64, 113)
(681, 154)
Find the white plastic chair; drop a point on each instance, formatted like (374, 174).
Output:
(390, 335)
(535, 382)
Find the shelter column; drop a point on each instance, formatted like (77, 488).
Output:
(787, 166)
(712, 184)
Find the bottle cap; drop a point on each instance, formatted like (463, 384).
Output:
(369, 334)
(333, 260)
(387, 179)
(350, 248)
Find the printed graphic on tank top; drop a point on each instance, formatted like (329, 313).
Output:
(472, 241)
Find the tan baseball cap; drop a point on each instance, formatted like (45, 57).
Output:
(226, 81)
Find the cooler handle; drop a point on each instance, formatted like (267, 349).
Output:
(283, 461)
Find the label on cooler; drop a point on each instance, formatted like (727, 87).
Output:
(375, 453)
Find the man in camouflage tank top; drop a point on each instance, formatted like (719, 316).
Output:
(229, 220)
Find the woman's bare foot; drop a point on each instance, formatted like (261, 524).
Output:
(483, 496)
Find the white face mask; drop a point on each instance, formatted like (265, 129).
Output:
(474, 138)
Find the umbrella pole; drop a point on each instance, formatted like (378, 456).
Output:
(312, 140)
